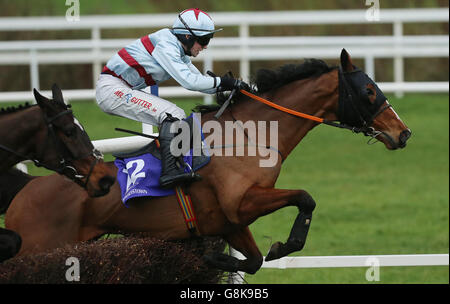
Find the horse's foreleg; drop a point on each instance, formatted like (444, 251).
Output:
(241, 240)
(260, 201)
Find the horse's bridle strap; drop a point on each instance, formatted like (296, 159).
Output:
(53, 118)
(366, 130)
(5, 148)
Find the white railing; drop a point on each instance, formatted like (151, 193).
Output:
(244, 48)
(368, 261)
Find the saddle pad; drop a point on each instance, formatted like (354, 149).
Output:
(138, 175)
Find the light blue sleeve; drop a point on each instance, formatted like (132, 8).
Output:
(166, 53)
(194, 70)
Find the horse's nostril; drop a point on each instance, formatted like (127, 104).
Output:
(404, 136)
(106, 182)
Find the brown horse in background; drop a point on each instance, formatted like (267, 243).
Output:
(234, 190)
(49, 134)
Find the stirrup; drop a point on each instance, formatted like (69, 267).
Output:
(170, 181)
(195, 176)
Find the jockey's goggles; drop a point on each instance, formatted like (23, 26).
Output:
(204, 40)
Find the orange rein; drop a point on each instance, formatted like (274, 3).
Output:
(368, 131)
(281, 108)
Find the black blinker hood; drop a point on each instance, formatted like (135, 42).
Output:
(354, 106)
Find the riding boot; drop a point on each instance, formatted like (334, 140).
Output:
(171, 174)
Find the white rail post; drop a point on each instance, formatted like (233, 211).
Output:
(34, 70)
(207, 66)
(96, 63)
(244, 34)
(398, 59)
(369, 66)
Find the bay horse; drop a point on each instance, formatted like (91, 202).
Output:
(52, 137)
(49, 134)
(235, 190)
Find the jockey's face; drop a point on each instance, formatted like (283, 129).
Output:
(197, 48)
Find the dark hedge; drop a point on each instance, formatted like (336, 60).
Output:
(125, 260)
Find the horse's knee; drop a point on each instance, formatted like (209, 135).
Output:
(308, 204)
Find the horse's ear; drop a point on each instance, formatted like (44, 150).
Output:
(346, 61)
(57, 93)
(41, 100)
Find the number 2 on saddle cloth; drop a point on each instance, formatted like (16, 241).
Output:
(139, 171)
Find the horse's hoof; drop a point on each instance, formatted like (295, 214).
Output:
(274, 252)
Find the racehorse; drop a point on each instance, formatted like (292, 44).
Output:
(49, 134)
(234, 190)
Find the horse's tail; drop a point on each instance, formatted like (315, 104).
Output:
(11, 182)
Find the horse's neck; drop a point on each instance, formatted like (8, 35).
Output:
(317, 97)
(19, 133)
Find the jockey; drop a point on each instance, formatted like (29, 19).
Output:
(151, 60)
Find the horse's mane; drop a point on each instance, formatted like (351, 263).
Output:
(15, 109)
(267, 80)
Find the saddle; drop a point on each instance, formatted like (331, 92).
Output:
(139, 171)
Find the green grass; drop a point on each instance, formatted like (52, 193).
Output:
(369, 200)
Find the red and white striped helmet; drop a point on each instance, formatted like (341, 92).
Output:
(195, 22)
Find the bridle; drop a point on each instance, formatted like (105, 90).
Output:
(64, 166)
(351, 115)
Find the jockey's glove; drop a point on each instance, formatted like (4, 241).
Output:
(229, 83)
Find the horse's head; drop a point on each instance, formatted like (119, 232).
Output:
(363, 105)
(67, 148)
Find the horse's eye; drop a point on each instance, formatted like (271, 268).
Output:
(70, 132)
(369, 91)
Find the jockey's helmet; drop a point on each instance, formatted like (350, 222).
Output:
(196, 23)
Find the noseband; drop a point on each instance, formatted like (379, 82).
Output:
(63, 166)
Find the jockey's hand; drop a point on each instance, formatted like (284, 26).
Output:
(229, 83)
